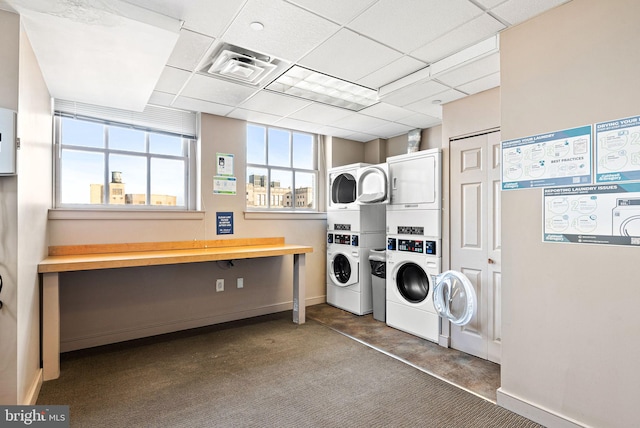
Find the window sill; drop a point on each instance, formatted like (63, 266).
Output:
(283, 215)
(63, 214)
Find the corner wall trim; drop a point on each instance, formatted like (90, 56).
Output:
(535, 413)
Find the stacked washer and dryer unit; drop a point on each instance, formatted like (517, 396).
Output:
(352, 231)
(413, 237)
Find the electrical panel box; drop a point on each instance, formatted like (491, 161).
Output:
(8, 144)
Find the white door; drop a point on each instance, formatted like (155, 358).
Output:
(475, 239)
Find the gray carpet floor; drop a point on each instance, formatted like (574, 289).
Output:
(262, 372)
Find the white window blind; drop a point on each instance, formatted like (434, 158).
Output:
(156, 118)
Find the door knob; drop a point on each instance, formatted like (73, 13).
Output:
(491, 262)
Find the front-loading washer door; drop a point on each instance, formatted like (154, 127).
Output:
(373, 185)
(412, 282)
(454, 297)
(630, 226)
(342, 271)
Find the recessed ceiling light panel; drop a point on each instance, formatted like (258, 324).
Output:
(308, 84)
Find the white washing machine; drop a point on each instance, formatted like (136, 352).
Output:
(626, 217)
(348, 270)
(413, 263)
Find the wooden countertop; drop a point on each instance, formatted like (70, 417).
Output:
(108, 256)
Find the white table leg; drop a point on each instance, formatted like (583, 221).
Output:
(50, 326)
(299, 288)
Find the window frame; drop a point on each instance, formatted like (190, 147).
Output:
(188, 156)
(314, 171)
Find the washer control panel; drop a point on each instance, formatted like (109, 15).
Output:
(412, 246)
(343, 239)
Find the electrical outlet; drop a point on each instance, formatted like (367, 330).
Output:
(220, 285)
(240, 282)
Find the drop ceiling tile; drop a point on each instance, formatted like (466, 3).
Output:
(189, 50)
(289, 31)
(490, 3)
(421, 121)
(432, 106)
(386, 111)
(339, 11)
(466, 35)
(349, 56)
(172, 79)
(390, 130)
(517, 11)
(299, 125)
(273, 103)
(161, 99)
(320, 113)
(254, 116)
(335, 132)
(198, 15)
(216, 90)
(359, 123)
(193, 104)
(482, 84)
(421, 21)
(412, 93)
(390, 72)
(471, 71)
(361, 137)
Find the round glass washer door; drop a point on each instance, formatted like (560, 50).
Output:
(341, 268)
(412, 282)
(454, 297)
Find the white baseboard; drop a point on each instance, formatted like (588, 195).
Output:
(535, 413)
(31, 397)
(105, 338)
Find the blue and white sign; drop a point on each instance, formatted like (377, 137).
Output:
(618, 150)
(552, 159)
(594, 214)
(224, 223)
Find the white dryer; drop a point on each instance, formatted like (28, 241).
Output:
(416, 180)
(413, 263)
(343, 212)
(342, 187)
(348, 270)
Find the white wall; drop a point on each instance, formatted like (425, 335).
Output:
(570, 311)
(113, 305)
(34, 199)
(24, 200)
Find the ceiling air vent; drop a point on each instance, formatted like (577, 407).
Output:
(241, 65)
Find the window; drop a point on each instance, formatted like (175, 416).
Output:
(281, 169)
(105, 164)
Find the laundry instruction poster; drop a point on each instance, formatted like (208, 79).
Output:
(551, 159)
(594, 214)
(618, 150)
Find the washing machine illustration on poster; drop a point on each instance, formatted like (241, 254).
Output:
(626, 217)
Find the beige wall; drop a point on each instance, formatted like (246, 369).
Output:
(9, 60)
(114, 305)
(344, 152)
(570, 311)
